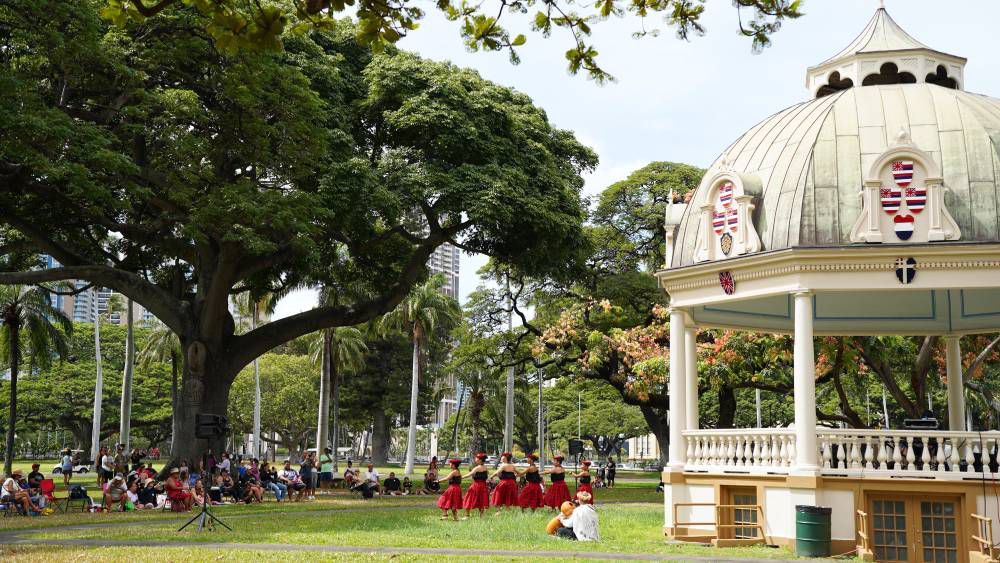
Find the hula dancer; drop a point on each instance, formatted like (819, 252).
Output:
(583, 486)
(558, 492)
(531, 494)
(451, 499)
(478, 495)
(505, 494)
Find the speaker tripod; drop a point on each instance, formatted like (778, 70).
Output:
(205, 519)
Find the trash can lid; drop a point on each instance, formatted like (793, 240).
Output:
(813, 509)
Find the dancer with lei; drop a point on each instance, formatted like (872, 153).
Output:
(478, 495)
(531, 494)
(557, 492)
(583, 485)
(451, 499)
(505, 493)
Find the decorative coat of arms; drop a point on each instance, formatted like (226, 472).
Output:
(902, 183)
(727, 219)
(906, 270)
(727, 282)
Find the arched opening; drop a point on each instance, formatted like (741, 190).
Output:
(940, 77)
(834, 84)
(889, 74)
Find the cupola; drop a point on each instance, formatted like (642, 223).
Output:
(884, 54)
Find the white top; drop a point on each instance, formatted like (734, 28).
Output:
(372, 476)
(10, 487)
(133, 497)
(289, 474)
(225, 464)
(67, 462)
(108, 463)
(584, 523)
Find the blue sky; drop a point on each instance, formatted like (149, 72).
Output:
(685, 101)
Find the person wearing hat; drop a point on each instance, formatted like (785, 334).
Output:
(452, 497)
(35, 478)
(557, 492)
(12, 493)
(583, 483)
(147, 493)
(66, 465)
(531, 494)
(115, 493)
(478, 495)
(505, 493)
(180, 499)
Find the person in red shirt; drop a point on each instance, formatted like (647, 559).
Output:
(180, 499)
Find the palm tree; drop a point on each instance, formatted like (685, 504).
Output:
(125, 307)
(337, 350)
(162, 346)
(425, 308)
(29, 310)
(253, 308)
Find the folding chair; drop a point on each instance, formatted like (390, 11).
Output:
(48, 486)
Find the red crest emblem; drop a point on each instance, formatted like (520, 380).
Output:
(727, 282)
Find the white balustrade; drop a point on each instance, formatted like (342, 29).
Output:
(845, 452)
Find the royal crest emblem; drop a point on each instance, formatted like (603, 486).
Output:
(902, 172)
(726, 194)
(904, 226)
(906, 270)
(726, 243)
(727, 282)
(890, 200)
(718, 222)
(732, 220)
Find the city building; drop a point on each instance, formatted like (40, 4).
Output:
(445, 261)
(869, 209)
(642, 449)
(83, 306)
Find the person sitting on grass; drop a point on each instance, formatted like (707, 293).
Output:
(407, 486)
(291, 479)
(582, 524)
(133, 497)
(431, 486)
(270, 479)
(180, 498)
(199, 495)
(350, 475)
(371, 479)
(115, 494)
(252, 491)
(147, 493)
(392, 485)
(12, 493)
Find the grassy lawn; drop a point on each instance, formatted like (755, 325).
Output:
(625, 528)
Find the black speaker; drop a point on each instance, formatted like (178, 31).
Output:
(575, 447)
(209, 426)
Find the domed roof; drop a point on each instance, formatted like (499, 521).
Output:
(806, 166)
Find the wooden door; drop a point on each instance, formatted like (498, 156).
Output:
(745, 519)
(921, 529)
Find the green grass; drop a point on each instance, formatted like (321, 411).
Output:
(633, 528)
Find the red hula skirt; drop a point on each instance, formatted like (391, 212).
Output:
(531, 496)
(585, 487)
(451, 499)
(557, 494)
(505, 494)
(478, 496)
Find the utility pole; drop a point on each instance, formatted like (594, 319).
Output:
(95, 439)
(508, 426)
(757, 401)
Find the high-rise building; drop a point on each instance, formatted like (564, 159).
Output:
(83, 306)
(445, 260)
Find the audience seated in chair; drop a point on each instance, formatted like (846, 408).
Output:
(12, 493)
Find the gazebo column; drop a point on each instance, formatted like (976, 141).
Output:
(691, 372)
(956, 394)
(805, 387)
(678, 390)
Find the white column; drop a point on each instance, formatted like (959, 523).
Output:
(805, 386)
(956, 394)
(678, 396)
(691, 372)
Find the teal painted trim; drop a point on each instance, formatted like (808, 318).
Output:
(933, 316)
(786, 316)
(951, 314)
(965, 315)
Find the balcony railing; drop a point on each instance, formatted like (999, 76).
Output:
(846, 452)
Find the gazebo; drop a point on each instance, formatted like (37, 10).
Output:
(871, 209)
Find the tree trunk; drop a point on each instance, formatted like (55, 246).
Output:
(335, 383)
(95, 434)
(727, 407)
(411, 436)
(256, 390)
(475, 418)
(659, 423)
(323, 422)
(14, 345)
(380, 438)
(174, 358)
(125, 422)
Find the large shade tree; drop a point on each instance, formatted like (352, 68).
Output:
(29, 324)
(146, 162)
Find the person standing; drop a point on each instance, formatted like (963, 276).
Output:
(452, 497)
(478, 495)
(611, 472)
(121, 460)
(558, 492)
(505, 493)
(326, 469)
(583, 484)
(107, 462)
(307, 470)
(531, 494)
(66, 465)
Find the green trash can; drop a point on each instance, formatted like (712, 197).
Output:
(812, 530)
